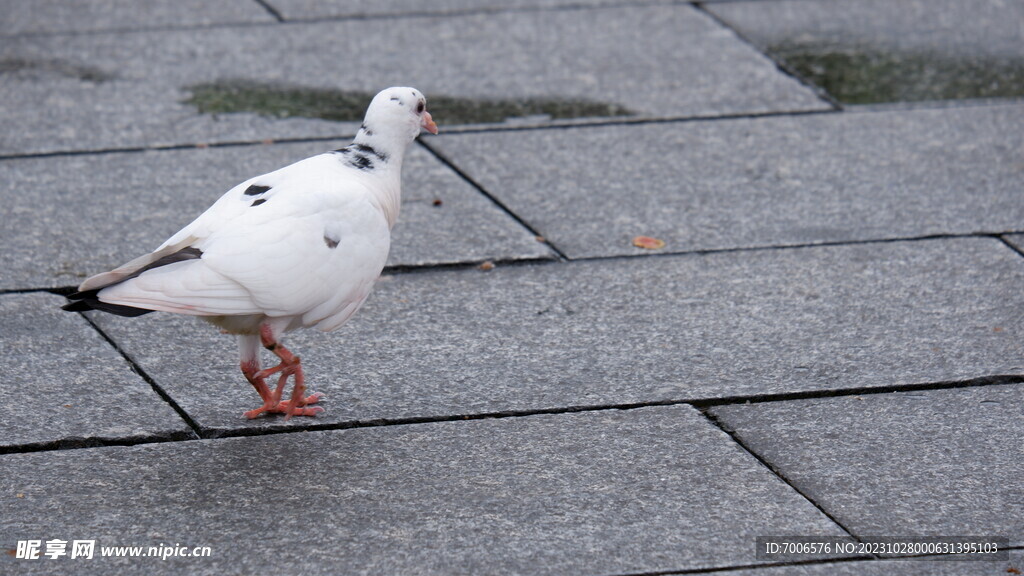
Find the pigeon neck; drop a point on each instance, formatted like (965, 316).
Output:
(384, 139)
(387, 161)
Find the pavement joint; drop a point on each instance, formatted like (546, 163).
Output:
(554, 125)
(463, 265)
(171, 147)
(494, 199)
(791, 564)
(137, 30)
(458, 129)
(146, 377)
(981, 381)
(470, 264)
(799, 246)
(776, 471)
(779, 64)
(933, 105)
(60, 292)
(628, 121)
(270, 10)
(201, 433)
(281, 19)
(72, 443)
(1003, 238)
(484, 10)
(743, 567)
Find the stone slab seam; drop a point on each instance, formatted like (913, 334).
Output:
(979, 382)
(465, 265)
(826, 244)
(138, 29)
(270, 9)
(776, 471)
(494, 199)
(458, 129)
(1010, 245)
(196, 429)
(172, 147)
(457, 12)
(200, 433)
(780, 65)
(726, 570)
(280, 18)
(555, 125)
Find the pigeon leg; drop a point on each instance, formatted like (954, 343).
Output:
(250, 368)
(290, 365)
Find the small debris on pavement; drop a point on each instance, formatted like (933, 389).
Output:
(648, 243)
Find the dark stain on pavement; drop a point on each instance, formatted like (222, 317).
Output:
(866, 74)
(285, 101)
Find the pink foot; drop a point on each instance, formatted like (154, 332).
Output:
(283, 406)
(290, 366)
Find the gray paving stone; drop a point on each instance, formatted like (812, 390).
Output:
(80, 215)
(757, 182)
(61, 16)
(943, 462)
(63, 383)
(545, 336)
(311, 9)
(990, 27)
(1017, 240)
(606, 492)
(682, 64)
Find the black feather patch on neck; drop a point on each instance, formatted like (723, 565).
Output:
(367, 149)
(361, 156)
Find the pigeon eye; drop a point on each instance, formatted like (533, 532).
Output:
(420, 107)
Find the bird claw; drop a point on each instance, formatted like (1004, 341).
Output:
(290, 366)
(282, 407)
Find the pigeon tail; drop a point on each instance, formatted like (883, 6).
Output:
(89, 300)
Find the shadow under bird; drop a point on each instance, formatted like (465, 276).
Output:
(298, 247)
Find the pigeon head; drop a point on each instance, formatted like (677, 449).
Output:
(397, 114)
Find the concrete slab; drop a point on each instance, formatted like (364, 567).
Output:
(547, 336)
(940, 462)
(314, 9)
(1017, 240)
(74, 216)
(607, 492)
(61, 16)
(990, 27)
(757, 182)
(865, 51)
(62, 383)
(681, 64)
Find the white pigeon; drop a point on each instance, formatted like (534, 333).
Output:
(298, 247)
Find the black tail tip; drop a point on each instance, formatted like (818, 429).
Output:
(78, 306)
(85, 301)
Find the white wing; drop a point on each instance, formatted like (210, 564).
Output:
(307, 240)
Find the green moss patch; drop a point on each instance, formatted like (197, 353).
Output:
(865, 75)
(282, 101)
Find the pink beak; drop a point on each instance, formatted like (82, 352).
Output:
(428, 123)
